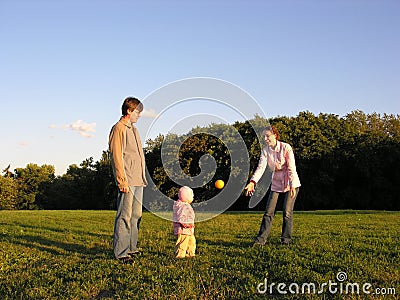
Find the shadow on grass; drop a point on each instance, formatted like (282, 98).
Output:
(63, 230)
(225, 244)
(105, 295)
(57, 247)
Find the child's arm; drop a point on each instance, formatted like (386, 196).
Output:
(187, 225)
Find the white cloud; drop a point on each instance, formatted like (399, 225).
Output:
(149, 113)
(23, 144)
(84, 129)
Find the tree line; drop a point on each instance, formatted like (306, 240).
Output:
(350, 162)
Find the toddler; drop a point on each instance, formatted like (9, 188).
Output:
(183, 219)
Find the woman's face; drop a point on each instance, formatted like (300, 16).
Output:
(270, 138)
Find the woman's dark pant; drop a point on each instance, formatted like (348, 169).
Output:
(287, 225)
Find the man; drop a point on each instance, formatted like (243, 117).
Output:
(128, 164)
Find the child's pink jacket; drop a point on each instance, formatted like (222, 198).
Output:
(183, 214)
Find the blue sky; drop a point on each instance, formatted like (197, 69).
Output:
(66, 66)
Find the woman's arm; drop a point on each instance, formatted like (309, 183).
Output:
(262, 164)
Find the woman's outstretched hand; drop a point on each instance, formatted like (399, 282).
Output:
(249, 189)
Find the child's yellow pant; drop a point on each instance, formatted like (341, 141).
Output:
(185, 246)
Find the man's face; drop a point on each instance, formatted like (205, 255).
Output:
(135, 116)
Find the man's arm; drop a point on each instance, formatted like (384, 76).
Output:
(117, 136)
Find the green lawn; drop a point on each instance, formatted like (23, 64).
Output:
(68, 255)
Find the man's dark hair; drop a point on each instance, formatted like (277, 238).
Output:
(131, 104)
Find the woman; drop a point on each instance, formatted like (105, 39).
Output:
(279, 157)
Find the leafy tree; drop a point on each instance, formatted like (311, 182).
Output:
(87, 186)
(8, 193)
(105, 189)
(29, 181)
(348, 162)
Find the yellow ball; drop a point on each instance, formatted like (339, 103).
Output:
(219, 184)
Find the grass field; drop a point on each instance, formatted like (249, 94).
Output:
(68, 255)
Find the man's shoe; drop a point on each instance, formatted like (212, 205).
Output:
(285, 244)
(125, 259)
(257, 244)
(134, 253)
